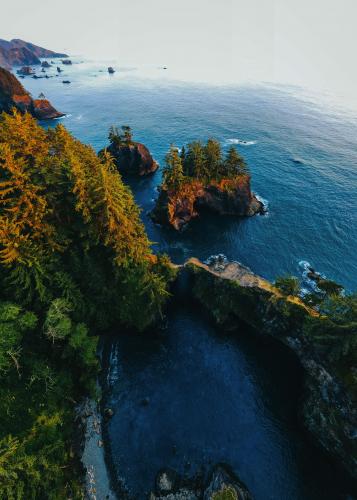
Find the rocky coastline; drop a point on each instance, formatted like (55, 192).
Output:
(231, 293)
(227, 197)
(14, 95)
(17, 52)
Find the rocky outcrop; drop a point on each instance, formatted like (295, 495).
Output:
(227, 197)
(133, 159)
(18, 52)
(222, 485)
(232, 293)
(13, 95)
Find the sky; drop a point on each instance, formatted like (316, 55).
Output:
(303, 42)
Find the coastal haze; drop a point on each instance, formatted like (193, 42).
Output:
(254, 75)
(304, 43)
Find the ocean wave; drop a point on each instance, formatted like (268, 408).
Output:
(264, 201)
(309, 284)
(241, 142)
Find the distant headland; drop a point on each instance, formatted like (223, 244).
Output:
(17, 52)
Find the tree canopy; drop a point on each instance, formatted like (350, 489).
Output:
(75, 260)
(202, 162)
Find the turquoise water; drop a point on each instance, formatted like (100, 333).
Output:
(215, 398)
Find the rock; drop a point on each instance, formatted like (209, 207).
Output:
(228, 197)
(45, 64)
(111, 70)
(133, 159)
(224, 485)
(66, 81)
(327, 406)
(166, 481)
(25, 71)
(13, 94)
(42, 109)
(108, 413)
(59, 69)
(100, 443)
(66, 61)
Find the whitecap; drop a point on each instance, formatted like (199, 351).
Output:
(241, 142)
(262, 200)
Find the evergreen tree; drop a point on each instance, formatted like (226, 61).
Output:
(173, 171)
(213, 159)
(233, 164)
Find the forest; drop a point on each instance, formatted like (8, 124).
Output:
(75, 261)
(202, 162)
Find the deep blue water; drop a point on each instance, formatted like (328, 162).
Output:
(212, 397)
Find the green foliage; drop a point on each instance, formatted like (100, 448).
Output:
(203, 162)
(123, 138)
(173, 171)
(226, 493)
(288, 285)
(74, 260)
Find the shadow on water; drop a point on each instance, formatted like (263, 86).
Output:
(188, 395)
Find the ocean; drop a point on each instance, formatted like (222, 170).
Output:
(214, 398)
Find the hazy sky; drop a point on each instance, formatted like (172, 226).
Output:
(311, 42)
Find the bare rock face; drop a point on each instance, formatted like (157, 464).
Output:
(13, 95)
(133, 159)
(223, 484)
(42, 109)
(228, 197)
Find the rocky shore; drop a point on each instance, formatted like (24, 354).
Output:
(14, 95)
(227, 197)
(232, 293)
(222, 484)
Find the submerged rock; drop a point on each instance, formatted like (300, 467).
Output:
(227, 197)
(14, 95)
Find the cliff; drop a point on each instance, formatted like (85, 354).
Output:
(232, 294)
(227, 197)
(133, 158)
(18, 52)
(14, 95)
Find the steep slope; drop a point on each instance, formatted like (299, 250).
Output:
(14, 95)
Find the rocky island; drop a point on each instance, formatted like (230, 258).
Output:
(201, 179)
(17, 52)
(131, 157)
(14, 95)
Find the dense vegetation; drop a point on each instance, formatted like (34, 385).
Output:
(74, 260)
(202, 162)
(334, 328)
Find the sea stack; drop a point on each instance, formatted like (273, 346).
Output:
(131, 157)
(203, 180)
(14, 95)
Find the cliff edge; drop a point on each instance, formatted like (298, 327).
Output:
(14, 95)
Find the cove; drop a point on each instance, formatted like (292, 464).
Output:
(187, 396)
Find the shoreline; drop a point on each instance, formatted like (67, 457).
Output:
(97, 476)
